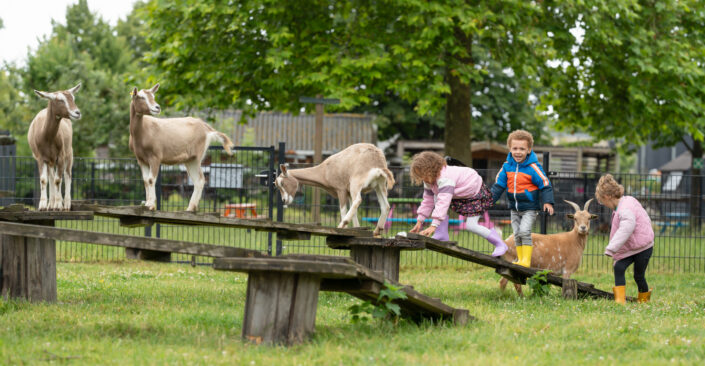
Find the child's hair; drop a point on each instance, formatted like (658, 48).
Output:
(426, 164)
(608, 187)
(520, 135)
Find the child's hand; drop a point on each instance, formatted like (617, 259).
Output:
(429, 231)
(416, 227)
(548, 208)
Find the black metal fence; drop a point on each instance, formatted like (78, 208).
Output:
(675, 208)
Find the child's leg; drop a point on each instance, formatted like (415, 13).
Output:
(472, 225)
(441, 232)
(516, 224)
(641, 261)
(619, 268)
(528, 218)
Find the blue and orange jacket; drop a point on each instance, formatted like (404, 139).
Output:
(523, 182)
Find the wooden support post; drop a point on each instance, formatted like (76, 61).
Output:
(570, 289)
(28, 267)
(280, 307)
(385, 260)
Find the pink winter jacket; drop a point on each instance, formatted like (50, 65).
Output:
(631, 231)
(454, 182)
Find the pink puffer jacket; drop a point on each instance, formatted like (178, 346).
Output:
(631, 231)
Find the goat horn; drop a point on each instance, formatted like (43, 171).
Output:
(587, 204)
(574, 205)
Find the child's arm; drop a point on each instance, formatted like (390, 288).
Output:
(425, 208)
(540, 180)
(446, 187)
(500, 185)
(627, 223)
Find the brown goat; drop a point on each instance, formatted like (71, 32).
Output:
(562, 252)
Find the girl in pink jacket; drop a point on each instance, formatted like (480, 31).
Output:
(456, 187)
(631, 237)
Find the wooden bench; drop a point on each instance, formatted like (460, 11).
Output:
(282, 294)
(29, 255)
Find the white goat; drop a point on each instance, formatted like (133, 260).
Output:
(347, 174)
(170, 141)
(50, 138)
(562, 252)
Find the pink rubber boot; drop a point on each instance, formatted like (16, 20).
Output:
(500, 247)
(441, 232)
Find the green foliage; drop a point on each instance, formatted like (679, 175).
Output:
(264, 54)
(637, 72)
(85, 49)
(539, 284)
(383, 308)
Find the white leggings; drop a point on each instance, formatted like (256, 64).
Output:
(471, 224)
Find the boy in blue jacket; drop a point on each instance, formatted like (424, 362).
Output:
(523, 178)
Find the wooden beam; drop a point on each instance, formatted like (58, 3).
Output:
(346, 242)
(321, 269)
(128, 241)
(451, 249)
(190, 218)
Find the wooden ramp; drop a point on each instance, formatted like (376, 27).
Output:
(141, 216)
(511, 271)
(282, 294)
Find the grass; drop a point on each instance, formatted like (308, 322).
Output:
(162, 314)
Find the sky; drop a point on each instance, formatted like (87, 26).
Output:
(27, 21)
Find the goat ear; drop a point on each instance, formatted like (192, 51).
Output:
(283, 168)
(593, 217)
(155, 88)
(134, 92)
(75, 89)
(45, 95)
(570, 216)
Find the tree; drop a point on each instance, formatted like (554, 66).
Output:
(85, 49)
(638, 74)
(265, 54)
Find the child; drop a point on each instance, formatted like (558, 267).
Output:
(523, 178)
(456, 187)
(631, 237)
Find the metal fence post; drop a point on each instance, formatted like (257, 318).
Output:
(270, 196)
(280, 204)
(544, 216)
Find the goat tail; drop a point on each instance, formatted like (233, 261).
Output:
(227, 143)
(390, 178)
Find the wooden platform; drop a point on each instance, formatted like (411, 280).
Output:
(282, 294)
(28, 255)
(511, 271)
(377, 254)
(141, 216)
(20, 213)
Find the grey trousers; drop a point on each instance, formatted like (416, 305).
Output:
(522, 222)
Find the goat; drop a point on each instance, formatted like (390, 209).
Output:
(357, 169)
(562, 252)
(50, 137)
(170, 141)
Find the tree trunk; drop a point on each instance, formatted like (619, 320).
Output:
(458, 131)
(696, 186)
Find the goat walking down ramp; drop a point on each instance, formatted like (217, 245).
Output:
(359, 168)
(170, 141)
(561, 252)
(50, 137)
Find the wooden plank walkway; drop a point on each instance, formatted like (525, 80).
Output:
(511, 271)
(277, 288)
(141, 216)
(119, 240)
(20, 213)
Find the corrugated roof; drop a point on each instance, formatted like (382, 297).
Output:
(339, 130)
(681, 163)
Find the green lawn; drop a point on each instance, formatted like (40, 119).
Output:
(163, 314)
